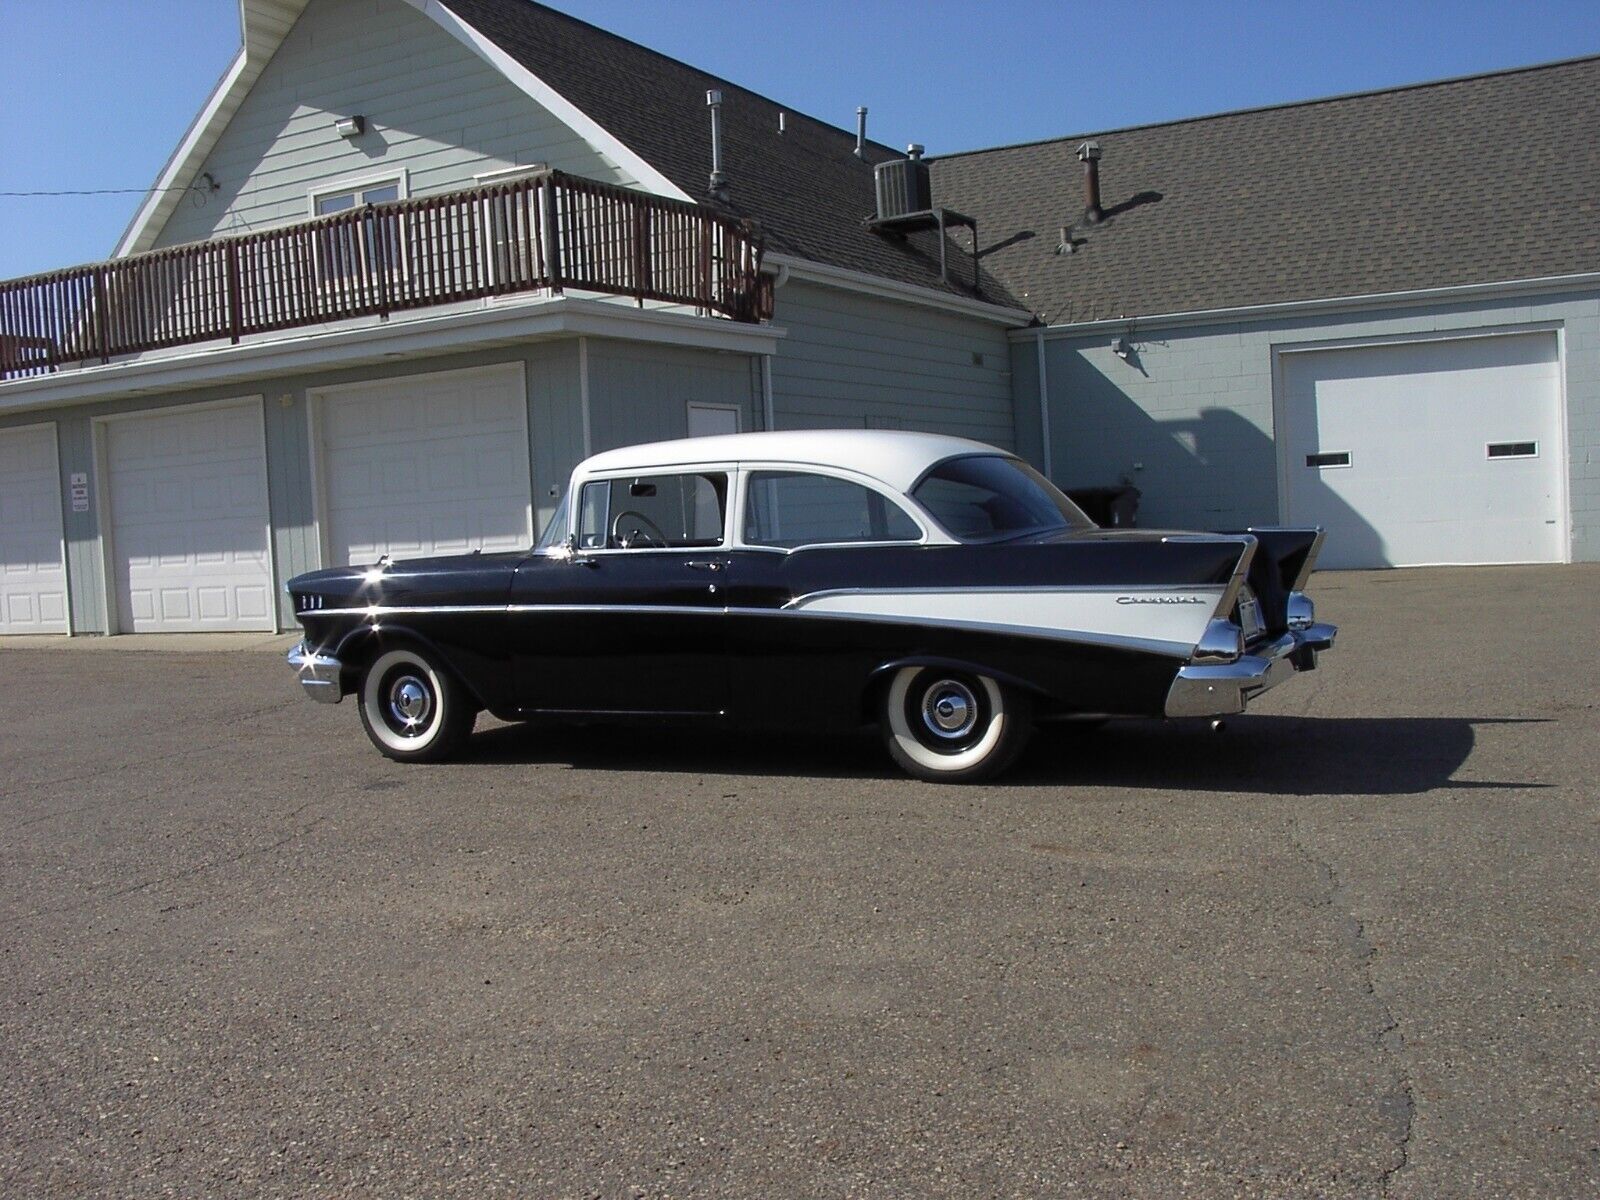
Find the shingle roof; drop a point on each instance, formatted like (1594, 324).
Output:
(805, 188)
(1478, 180)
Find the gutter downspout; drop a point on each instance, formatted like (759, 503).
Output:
(768, 417)
(1044, 402)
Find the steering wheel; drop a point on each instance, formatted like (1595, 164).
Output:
(643, 527)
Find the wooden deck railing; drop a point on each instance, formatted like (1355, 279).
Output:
(548, 230)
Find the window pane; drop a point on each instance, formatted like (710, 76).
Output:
(793, 508)
(986, 496)
(333, 204)
(654, 511)
(381, 195)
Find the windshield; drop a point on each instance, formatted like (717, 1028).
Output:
(555, 531)
(986, 498)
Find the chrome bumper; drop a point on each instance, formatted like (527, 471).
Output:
(322, 675)
(1221, 689)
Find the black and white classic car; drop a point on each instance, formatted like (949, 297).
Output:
(940, 589)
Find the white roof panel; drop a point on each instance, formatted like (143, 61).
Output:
(893, 457)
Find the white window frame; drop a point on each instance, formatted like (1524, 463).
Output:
(356, 185)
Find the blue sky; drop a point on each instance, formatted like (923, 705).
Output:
(96, 93)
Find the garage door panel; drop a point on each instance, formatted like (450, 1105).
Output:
(188, 514)
(1416, 419)
(33, 578)
(426, 465)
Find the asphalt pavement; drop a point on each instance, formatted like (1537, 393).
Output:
(1347, 947)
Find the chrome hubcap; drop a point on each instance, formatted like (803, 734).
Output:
(409, 702)
(949, 709)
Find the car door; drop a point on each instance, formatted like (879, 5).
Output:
(632, 620)
(803, 533)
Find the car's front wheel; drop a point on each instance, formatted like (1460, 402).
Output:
(952, 726)
(412, 707)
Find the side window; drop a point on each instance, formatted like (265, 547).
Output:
(653, 512)
(793, 508)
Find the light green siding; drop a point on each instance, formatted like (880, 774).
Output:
(1188, 415)
(641, 393)
(432, 109)
(850, 360)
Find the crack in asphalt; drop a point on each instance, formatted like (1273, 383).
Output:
(100, 894)
(1398, 1108)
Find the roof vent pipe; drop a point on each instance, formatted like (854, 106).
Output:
(1089, 156)
(719, 181)
(861, 132)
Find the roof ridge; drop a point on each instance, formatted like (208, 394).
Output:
(1285, 104)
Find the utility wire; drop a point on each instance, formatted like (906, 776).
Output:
(105, 191)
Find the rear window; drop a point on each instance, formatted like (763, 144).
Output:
(796, 508)
(987, 497)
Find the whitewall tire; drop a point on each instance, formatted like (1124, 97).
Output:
(413, 709)
(952, 726)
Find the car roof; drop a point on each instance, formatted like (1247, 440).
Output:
(895, 457)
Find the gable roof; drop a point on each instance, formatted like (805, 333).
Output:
(1485, 179)
(805, 187)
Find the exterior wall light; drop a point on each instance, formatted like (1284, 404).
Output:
(349, 127)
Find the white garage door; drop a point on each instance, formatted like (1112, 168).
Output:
(187, 499)
(432, 464)
(33, 580)
(1445, 451)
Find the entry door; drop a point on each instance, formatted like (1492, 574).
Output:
(1446, 451)
(33, 579)
(187, 497)
(635, 621)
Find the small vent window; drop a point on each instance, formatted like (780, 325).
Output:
(1329, 458)
(1513, 449)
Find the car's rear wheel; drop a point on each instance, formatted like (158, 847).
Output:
(952, 726)
(412, 708)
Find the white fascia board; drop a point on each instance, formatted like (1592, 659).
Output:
(373, 340)
(196, 144)
(542, 93)
(890, 289)
(1333, 304)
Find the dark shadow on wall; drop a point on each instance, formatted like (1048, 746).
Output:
(1214, 470)
(1295, 756)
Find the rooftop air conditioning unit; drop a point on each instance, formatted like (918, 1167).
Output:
(903, 186)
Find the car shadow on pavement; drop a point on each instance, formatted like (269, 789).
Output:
(1298, 756)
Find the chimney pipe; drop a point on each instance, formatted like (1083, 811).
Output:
(1089, 155)
(719, 181)
(861, 132)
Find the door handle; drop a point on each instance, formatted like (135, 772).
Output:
(706, 564)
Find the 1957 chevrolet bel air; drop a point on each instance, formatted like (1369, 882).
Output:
(938, 588)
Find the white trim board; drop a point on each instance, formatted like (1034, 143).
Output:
(1333, 304)
(804, 269)
(543, 94)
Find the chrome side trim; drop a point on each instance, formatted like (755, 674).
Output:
(1179, 650)
(1205, 589)
(1241, 569)
(321, 675)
